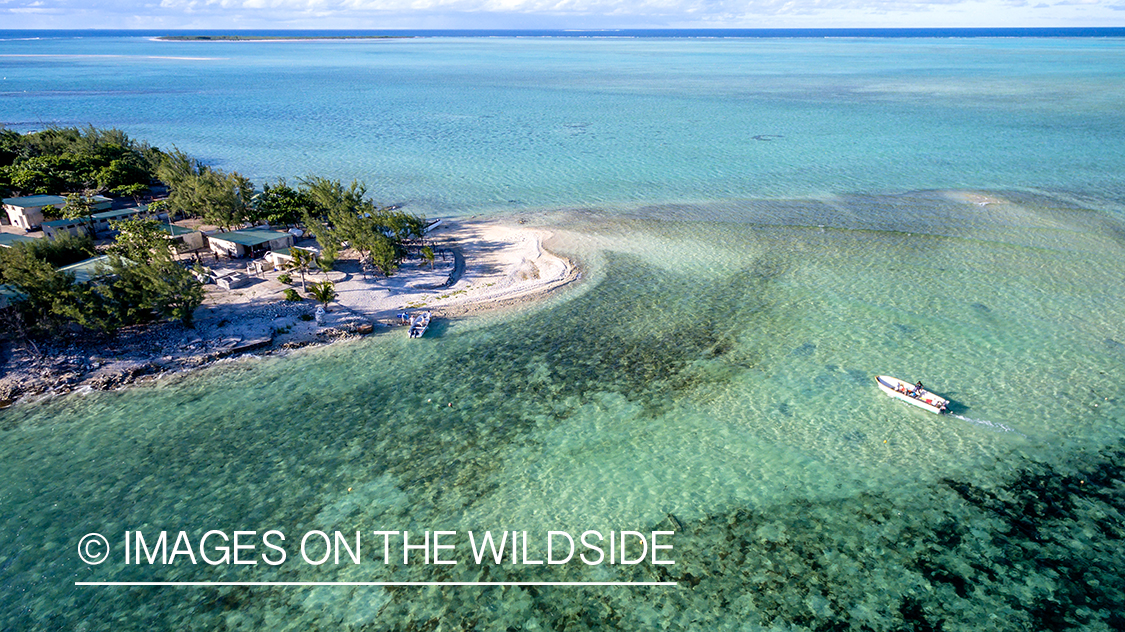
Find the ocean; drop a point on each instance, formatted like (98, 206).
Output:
(764, 221)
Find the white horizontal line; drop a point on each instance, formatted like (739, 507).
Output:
(376, 583)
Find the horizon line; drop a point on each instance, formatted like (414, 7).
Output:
(603, 30)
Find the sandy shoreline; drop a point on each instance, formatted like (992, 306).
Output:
(481, 266)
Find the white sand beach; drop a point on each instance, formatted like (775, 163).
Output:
(480, 265)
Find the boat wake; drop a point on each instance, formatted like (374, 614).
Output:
(988, 424)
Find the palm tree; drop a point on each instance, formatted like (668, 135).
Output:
(324, 292)
(302, 261)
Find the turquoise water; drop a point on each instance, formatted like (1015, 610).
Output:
(463, 124)
(945, 210)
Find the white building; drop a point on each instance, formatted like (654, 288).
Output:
(252, 243)
(27, 212)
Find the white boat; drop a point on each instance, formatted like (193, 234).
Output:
(900, 389)
(418, 324)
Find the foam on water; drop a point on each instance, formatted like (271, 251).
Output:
(988, 424)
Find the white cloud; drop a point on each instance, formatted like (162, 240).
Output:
(557, 7)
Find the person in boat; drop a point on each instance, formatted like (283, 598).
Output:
(919, 389)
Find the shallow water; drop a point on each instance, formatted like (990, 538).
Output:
(712, 373)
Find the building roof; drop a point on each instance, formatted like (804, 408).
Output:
(58, 223)
(7, 240)
(118, 214)
(249, 237)
(35, 200)
(85, 271)
(104, 215)
(176, 231)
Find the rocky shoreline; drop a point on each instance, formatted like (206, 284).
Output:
(139, 354)
(513, 269)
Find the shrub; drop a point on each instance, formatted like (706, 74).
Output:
(306, 317)
(323, 292)
(292, 295)
(63, 251)
(285, 278)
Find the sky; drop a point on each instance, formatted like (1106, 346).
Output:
(552, 14)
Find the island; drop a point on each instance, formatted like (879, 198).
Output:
(189, 264)
(260, 38)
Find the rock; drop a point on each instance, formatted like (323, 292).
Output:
(69, 379)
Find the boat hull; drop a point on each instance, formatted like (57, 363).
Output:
(419, 324)
(926, 400)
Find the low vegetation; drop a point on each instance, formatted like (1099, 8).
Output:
(138, 282)
(62, 160)
(323, 292)
(140, 279)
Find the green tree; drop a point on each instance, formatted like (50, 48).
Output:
(146, 278)
(156, 207)
(221, 199)
(345, 216)
(62, 251)
(325, 237)
(331, 196)
(42, 175)
(428, 255)
(141, 240)
(134, 191)
(78, 206)
(335, 209)
(303, 261)
(53, 298)
(179, 170)
(326, 263)
(401, 225)
(11, 146)
(383, 255)
(70, 159)
(122, 172)
(323, 292)
(48, 291)
(173, 291)
(280, 204)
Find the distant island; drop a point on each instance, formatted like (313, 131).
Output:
(244, 38)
